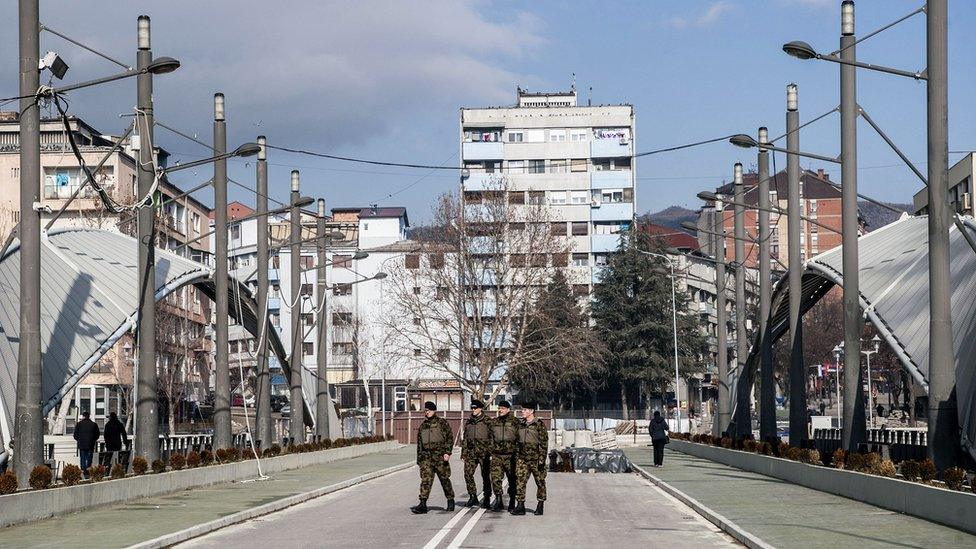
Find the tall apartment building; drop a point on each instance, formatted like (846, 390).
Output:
(960, 188)
(819, 200)
(578, 160)
(107, 388)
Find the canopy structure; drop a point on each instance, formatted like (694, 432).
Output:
(89, 301)
(894, 294)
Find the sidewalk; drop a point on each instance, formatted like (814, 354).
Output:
(140, 520)
(785, 515)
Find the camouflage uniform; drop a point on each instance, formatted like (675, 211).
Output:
(533, 443)
(434, 439)
(476, 451)
(504, 438)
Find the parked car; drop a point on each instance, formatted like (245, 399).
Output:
(278, 402)
(286, 410)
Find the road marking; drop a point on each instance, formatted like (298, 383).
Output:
(434, 541)
(466, 529)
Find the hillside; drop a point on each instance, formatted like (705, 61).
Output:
(672, 217)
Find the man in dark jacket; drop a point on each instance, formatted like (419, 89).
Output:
(86, 433)
(435, 442)
(115, 436)
(504, 442)
(476, 452)
(659, 437)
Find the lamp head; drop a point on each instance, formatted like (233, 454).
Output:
(321, 207)
(743, 140)
(162, 65)
(847, 17)
(53, 62)
(688, 225)
(247, 149)
(800, 50)
(304, 201)
(763, 137)
(792, 99)
(263, 153)
(218, 106)
(379, 276)
(142, 32)
(295, 184)
(737, 174)
(360, 255)
(337, 235)
(708, 196)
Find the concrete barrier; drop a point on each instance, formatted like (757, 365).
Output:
(39, 504)
(948, 507)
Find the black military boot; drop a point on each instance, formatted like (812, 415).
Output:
(486, 503)
(538, 508)
(519, 509)
(450, 504)
(511, 504)
(420, 509)
(497, 506)
(472, 502)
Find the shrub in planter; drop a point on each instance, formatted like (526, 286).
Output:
(193, 459)
(158, 466)
(783, 449)
(222, 455)
(139, 465)
(910, 470)
(871, 462)
(749, 445)
(71, 475)
(926, 470)
(40, 477)
(885, 468)
(726, 442)
(812, 457)
(766, 449)
(275, 450)
(206, 457)
(8, 482)
(794, 454)
(954, 477)
(854, 461)
(177, 461)
(837, 458)
(118, 471)
(97, 472)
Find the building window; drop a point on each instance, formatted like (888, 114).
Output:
(581, 260)
(515, 137)
(579, 197)
(558, 166)
(559, 228)
(580, 290)
(578, 165)
(441, 293)
(557, 198)
(275, 319)
(600, 260)
(307, 290)
(436, 261)
(416, 290)
(307, 261)
(516, 227)
(579, 135)
(517, 260)
(560, 260)
(516, 197)
(443, 355)
(308, 320)
(557, 136)
(342, 348)
(580, 228)
(342, 289)
(416, 353)
(516, 166)
(341, 319)
(537, 260)
(537, 198)
(235, 232)
(412, 261)
(537, 166)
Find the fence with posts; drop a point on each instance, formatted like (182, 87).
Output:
(896, 444)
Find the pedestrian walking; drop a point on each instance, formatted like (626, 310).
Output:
(659, 437)
(476, 452)
(86, 433)
(880, 409)
(115, 436)
(435, 442)
(823, 408)
(533, 445)
(504, 439)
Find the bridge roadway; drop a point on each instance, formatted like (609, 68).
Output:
(584, 510)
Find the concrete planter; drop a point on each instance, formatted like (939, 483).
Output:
(949, 507)
(38, 504)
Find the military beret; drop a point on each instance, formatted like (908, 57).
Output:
(477, 404)
(505, 404)
(430, 406)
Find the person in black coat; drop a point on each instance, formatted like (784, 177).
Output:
(658, 429)
(115, 436)
(86, 433)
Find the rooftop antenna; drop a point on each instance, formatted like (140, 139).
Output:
(589, 97)
(573, 87)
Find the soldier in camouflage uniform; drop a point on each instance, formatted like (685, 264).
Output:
(476, 451)
(530, 458)
(435, 442)
(504, 436)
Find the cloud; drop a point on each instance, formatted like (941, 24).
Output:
(712, 14)
(323, 73)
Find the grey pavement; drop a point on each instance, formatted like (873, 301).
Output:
(140, 520)
(786, 515)
(584, 510)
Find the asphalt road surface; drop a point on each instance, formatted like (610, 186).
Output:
(583, 510)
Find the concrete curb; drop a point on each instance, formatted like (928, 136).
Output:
(180, 536)
(723, 523)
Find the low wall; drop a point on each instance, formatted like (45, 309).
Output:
(949, 507)
(38, 504)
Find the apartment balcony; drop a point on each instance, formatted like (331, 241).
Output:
(273, 275)
(483, 245)
(484, 277)
(274, 303)
(612, 211)
(482, 150)
(611, 148)
(604, 243)
(483, 308)
(481, 181)
(596, 275)
(612, 179)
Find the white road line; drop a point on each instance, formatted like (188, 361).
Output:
(468, 526)
(434, 541)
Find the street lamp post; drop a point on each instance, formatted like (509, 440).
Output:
(722, 346)
(877, 345)
(798, 388)
(296, 423)
(322, 399)
(744, 419)
(838, 352)
(221, 412)
(674, 327)
(263, 412)
(767, 391)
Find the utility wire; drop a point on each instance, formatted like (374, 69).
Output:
(80, 45)
(685, 146)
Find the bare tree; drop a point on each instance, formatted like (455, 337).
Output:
(460, 300)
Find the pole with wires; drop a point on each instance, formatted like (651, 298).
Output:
(722, 346)
(147, 420)
(798, 386)
(222, 424)
(29, 422)
(296, 428)
(264, 428)
(743, 422)
(322, 400)
(767, 383)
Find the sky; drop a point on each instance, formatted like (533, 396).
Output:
(384, 80)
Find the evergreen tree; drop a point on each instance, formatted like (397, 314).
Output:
(564, 357)
(632, 310)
